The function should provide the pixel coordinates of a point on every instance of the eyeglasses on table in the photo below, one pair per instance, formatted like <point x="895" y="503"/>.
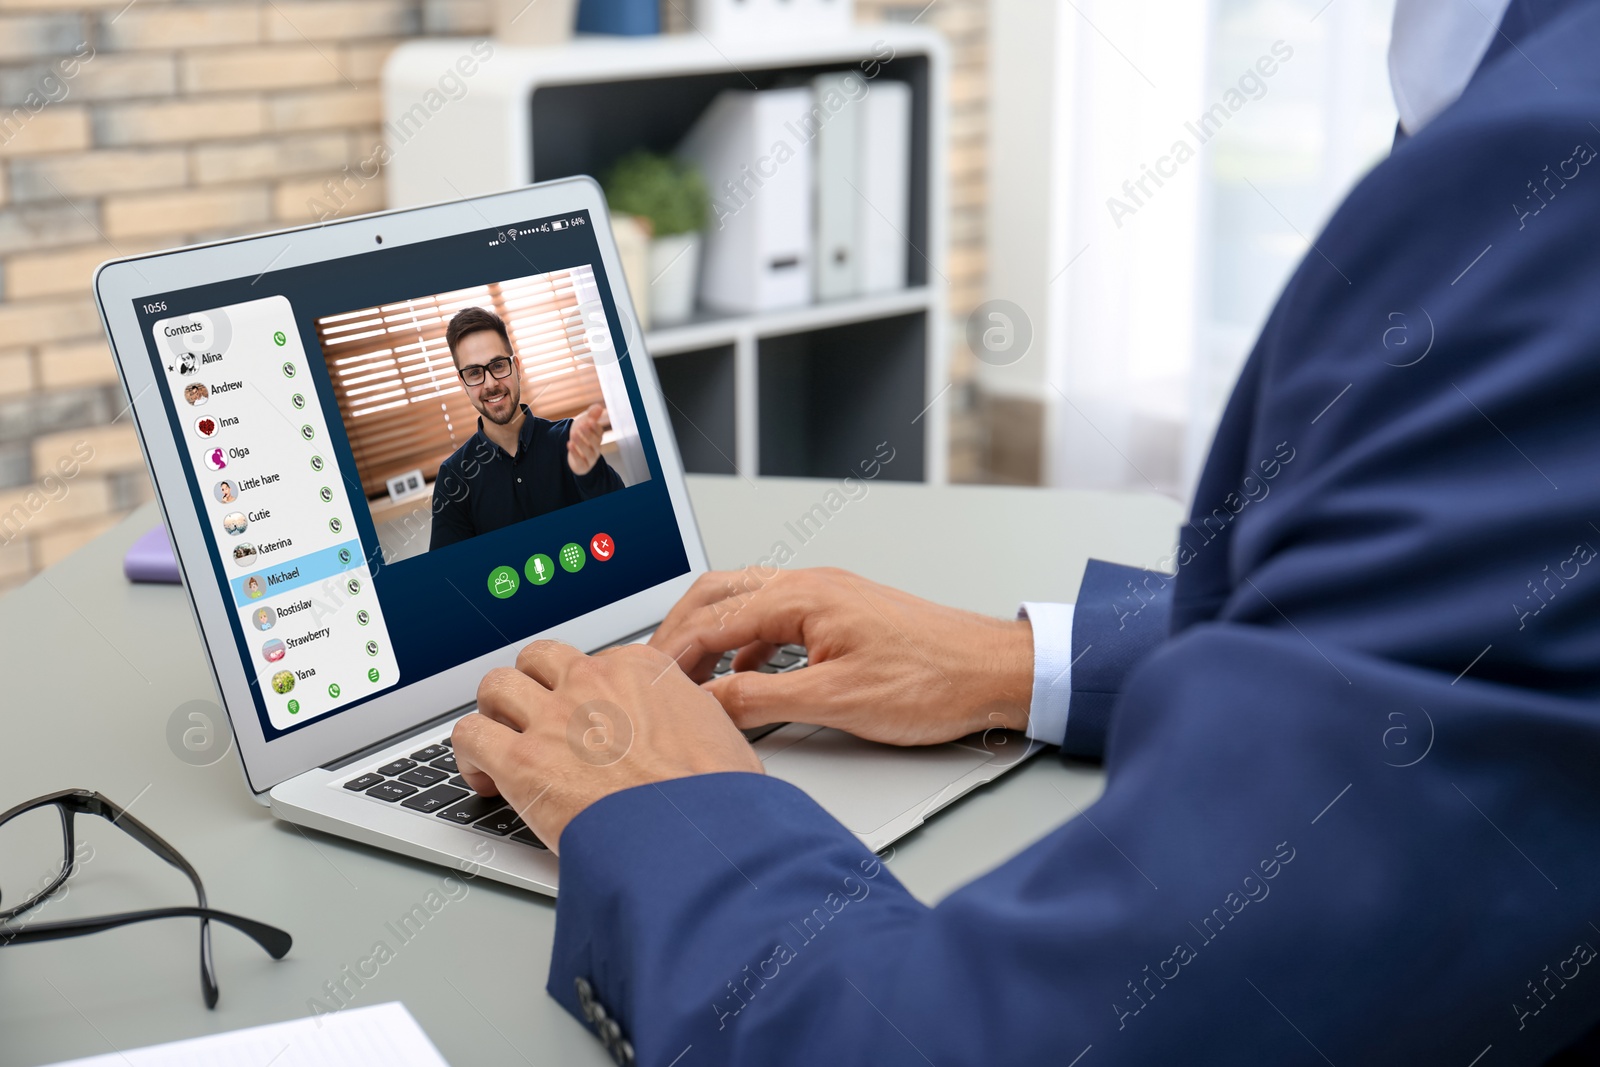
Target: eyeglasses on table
<point x="38" y="853"/>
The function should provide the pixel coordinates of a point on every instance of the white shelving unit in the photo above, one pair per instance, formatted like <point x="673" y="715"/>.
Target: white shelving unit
<point x="806" y="391"/>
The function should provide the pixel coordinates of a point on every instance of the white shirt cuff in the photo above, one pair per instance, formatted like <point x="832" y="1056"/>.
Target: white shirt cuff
<point x="1052" y="670"/>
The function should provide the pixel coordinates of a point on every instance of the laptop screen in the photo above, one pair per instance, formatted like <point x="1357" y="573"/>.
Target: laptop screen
<point x="408" y="458"/>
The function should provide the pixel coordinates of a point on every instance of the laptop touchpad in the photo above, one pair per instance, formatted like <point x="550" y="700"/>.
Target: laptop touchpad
<point x="861" y="783"/>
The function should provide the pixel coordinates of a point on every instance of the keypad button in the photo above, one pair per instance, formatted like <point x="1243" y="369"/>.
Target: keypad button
<point x="391" y="791"/>
<point x="501" y="822"/>
<point x="472" y="809"/>
<point x="528" y="837"/>
<point x="434" y="799"/>
<point x="423" y="776"/>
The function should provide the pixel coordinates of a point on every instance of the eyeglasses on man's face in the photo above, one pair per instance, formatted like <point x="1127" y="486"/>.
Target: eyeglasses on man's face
<point x="499" y="367"/>
<point x="39" y="852"/>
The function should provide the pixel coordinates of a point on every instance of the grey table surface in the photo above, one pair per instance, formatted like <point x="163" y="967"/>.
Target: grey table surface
<point x="95" y="668"/>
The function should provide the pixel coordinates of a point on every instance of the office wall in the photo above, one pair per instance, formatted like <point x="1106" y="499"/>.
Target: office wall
<point x="974" y="430"/>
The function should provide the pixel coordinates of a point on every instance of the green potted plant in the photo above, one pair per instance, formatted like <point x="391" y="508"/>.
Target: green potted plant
<point x="669" y="196"/>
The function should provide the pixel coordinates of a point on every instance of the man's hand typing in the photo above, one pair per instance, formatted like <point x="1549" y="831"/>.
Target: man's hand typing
<point x="885" y="665"/>
<point x="562" y="730"/>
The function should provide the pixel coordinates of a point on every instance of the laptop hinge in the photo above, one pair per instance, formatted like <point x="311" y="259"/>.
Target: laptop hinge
<point x="363" y="753"/>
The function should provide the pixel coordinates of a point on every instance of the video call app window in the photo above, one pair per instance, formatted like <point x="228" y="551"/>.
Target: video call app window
<point x="557" y="425"/>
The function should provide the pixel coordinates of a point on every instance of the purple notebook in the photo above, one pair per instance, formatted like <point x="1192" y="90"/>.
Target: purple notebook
<point x="150" y="559"/>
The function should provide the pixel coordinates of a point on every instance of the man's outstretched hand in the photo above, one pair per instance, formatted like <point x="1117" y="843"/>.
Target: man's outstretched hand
<point x="885" y="665"/>
<point x="563" y="730"/>
<point x="583" y="438"/>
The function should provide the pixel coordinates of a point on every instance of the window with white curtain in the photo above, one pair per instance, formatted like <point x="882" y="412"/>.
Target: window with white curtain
<point x="1280" y="172"/>
<point x="1159" y="170"/>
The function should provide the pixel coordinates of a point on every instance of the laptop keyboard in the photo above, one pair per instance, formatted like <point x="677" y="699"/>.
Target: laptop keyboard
<point x="428" y="782"/>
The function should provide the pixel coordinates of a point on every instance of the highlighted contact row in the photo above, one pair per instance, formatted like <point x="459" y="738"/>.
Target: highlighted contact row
<point x="311" y="567"/>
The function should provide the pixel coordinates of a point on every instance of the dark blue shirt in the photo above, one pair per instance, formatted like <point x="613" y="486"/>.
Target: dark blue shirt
<point x="481" y="488"/>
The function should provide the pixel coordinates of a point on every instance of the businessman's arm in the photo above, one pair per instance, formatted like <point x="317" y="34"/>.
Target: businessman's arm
<point x="1270" y="862"/>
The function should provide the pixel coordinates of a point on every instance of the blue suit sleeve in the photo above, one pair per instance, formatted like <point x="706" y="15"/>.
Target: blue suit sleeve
<point x="1120" y="617"/>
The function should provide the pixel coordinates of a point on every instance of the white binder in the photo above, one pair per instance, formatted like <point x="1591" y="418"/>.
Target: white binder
<point x="884" y="178"/>
<point x="839" y="96"/>
<point x="754" y="150"/>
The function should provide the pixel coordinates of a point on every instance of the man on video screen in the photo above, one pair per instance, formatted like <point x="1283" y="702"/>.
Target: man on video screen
<point x="517" y="465"/>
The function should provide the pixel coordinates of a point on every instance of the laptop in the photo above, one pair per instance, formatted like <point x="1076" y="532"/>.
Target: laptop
<point x="296" y="399"/>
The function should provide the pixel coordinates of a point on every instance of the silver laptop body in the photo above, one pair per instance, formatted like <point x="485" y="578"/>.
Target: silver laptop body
<point x="280" y="383"/>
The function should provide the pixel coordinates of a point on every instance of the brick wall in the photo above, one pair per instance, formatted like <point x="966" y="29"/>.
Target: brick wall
<point x="126" y="127"/>
<point x="130" y="127"/>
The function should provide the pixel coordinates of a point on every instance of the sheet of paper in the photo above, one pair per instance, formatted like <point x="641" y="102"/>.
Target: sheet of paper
<point x="384" y="1035"/>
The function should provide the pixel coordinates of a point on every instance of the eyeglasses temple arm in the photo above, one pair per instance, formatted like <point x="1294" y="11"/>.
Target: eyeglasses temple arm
<point x="276" y="942"/>
<point x="120" y="818"/>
